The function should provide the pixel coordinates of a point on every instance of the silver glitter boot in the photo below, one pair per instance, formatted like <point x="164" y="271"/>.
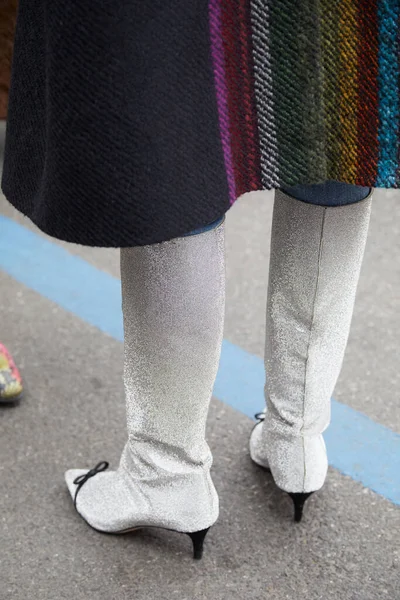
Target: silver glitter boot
<point x="316" y="256"/>
<point x="173" y="305"/>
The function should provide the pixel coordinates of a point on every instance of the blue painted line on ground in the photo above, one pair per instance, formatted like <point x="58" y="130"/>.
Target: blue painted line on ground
<point x="357" y="446"/>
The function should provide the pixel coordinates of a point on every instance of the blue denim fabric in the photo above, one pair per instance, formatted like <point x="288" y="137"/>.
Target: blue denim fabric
<point x="206" y="228"/>
<point x="330" y="193"/>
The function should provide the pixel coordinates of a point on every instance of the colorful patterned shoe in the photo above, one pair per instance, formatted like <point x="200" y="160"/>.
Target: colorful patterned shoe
<point x="10" y="379"/>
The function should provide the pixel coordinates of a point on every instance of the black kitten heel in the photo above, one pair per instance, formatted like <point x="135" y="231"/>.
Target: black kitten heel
<point x="299" y="501"/>
<point x="198" y="538"/>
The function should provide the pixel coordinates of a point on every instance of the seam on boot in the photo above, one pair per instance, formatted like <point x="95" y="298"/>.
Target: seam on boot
<point x="309" y="341"/>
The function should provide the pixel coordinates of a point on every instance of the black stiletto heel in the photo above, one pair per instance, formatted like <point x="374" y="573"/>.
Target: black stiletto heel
<point x="198" y="538"/>
<point x="299" y="501"/>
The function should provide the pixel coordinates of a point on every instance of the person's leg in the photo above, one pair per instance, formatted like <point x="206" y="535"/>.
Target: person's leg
<point x="173" y="306"/>
<point x="316" y="256"/>
<point x="330" y="193"/>
<point x="206" y="228"/>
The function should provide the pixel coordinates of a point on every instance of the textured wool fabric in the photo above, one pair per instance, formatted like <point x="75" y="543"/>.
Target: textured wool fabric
<point x="307" y="91"/>
<point x="134" y="122"/>
<point x="113" y="135"/>
<point x="316" y="257"/>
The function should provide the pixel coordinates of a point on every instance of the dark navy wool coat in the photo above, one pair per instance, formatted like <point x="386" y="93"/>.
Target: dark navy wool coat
<point x="113" y="135"/>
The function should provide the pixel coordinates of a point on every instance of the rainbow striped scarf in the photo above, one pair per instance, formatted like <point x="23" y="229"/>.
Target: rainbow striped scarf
<point x="307" y="91"/>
